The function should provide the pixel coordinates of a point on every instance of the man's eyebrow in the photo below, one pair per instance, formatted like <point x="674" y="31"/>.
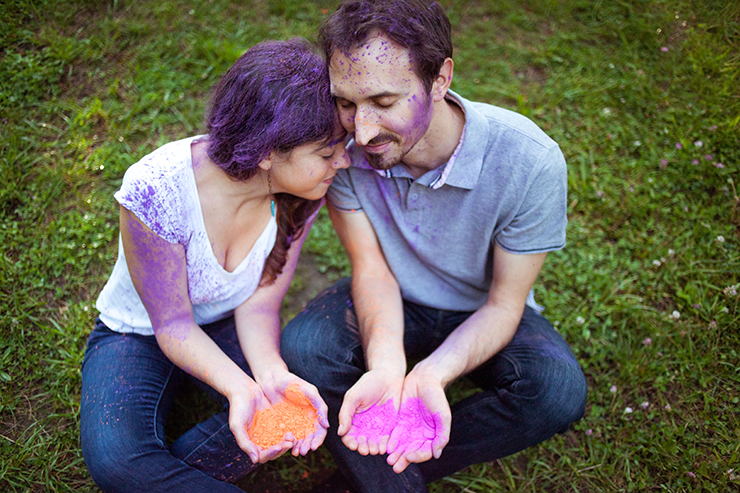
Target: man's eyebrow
<point x="379" y="95"/>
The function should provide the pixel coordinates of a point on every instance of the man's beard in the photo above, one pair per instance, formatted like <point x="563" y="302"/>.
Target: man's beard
<point x="390" y="157"/>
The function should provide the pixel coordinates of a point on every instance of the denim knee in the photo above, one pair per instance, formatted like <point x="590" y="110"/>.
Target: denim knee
<point x="112" y="465"/>
<point x="317" y="337"/>
<point x="560" y="397"/>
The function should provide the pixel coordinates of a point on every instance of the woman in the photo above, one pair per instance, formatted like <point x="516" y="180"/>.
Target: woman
<point x="211" y="228"/>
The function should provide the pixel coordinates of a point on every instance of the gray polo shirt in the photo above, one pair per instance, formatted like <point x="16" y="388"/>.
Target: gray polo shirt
<point x="505" y="183"/>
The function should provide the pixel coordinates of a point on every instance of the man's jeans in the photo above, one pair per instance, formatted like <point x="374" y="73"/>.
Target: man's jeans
<point x="531" y="390"/>
<point x="128" y="386"/>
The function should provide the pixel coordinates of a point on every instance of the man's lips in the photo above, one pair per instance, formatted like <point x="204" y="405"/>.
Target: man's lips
<point x="376" y="148"/>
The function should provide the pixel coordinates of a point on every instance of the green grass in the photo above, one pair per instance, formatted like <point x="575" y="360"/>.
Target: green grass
<point x="645" y="292"/>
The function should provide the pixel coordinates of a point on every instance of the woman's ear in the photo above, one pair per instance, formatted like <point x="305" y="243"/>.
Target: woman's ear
<point x="266" y="164"/>
<point x="443" y="80"/>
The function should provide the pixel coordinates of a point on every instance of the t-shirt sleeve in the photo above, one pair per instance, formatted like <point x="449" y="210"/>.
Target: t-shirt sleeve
<point x="341" y="193"/>
<point x="539" y="225"/>
<point x="149" y="198"/>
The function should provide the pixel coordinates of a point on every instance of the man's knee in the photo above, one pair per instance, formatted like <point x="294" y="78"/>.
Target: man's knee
<point x="318" y="336"/>
<point x="563" y="397"/>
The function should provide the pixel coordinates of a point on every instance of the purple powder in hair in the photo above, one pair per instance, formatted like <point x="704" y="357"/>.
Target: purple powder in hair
<point x="376" y="422"/>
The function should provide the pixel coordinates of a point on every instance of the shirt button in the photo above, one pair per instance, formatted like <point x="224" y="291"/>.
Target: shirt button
<point x="415" y="196"/>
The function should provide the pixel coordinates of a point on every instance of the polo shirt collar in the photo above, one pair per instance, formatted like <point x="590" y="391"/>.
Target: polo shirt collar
<point x="467" y="163"/>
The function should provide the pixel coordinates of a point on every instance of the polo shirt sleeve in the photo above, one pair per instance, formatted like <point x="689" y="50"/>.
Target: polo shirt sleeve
<point x="342" y="194"/>
<point x="540" y="222"/>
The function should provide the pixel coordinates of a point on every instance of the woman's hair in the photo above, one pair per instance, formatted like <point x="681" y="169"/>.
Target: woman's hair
<point x="273" y="99"/>
<point x="417" y="25"/>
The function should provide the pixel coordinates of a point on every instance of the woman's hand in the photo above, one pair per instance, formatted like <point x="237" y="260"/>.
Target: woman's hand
<point x="243" y="405"/>
<point x="279" y="385"/>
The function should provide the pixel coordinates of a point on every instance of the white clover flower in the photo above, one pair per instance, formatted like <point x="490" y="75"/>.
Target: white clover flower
<point x="675" y="315"/>
<point x="627" y="410"/>
<point x="580" y="320"/>
<point x="645" y="405"/>
<point x="638" y="143"/>
<point x="656" y="263"/>
<point x="720" y="239"/>
<point x="613" y="389"/>
<point x="698" y="143"/>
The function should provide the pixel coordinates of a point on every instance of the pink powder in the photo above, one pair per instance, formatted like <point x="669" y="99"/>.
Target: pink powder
<point x="376" y="422"/>
<point x="416" y="425"/>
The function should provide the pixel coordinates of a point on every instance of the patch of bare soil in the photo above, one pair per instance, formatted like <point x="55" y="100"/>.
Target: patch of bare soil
<point x="308" y="282"/>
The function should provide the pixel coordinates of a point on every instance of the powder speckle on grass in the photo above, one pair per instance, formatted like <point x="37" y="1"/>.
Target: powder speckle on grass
<point x="295" y="415"/>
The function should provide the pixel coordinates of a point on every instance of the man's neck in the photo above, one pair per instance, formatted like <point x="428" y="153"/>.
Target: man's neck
<point x="439" y="142"/>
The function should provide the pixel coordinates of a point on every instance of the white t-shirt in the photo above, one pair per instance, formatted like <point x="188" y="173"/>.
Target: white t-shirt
<point x="161" y="191"/>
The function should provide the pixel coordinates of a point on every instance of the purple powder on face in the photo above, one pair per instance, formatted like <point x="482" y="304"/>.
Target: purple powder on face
<point x="416" y="427"/>
<point x="375" y="423"/>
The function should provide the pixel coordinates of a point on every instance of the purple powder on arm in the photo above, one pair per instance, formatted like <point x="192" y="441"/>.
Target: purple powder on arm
<point x="374" y="423"/>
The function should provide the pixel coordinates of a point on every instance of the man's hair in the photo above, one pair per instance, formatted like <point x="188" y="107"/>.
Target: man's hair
<point x="274" y="98"/>
<point x="417" y="25"/>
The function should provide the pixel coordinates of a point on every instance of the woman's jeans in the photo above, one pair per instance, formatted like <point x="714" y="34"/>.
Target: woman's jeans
<point x="128" y="386"/>
<point x="531" y="390"/>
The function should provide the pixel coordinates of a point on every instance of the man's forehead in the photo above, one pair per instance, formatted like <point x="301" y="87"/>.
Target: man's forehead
<point x="379" y="65"/>
<point x="378" y="50"/>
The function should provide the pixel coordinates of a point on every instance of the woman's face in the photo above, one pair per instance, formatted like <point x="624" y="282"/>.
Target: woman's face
<point x="308" y="170"/>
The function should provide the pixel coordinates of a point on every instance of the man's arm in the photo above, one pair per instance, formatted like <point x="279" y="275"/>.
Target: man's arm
<point x="379" y="308"/>
<point x="474" y="342"/>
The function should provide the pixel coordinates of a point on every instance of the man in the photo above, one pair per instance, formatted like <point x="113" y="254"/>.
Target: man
<point x="447" y="214"/>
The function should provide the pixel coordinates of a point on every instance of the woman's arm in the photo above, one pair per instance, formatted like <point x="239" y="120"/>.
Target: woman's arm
<point x="158" y="271"/>
<point x="259" y="329"/>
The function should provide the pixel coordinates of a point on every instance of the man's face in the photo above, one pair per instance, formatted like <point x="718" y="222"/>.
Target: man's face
<point x="382" y="102"/>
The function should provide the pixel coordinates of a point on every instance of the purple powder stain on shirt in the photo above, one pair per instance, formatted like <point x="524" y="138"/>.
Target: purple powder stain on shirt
<point x="376" y="422"/>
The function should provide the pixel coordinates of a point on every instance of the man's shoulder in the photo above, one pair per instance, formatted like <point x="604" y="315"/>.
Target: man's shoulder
<point x="502" y="122"/>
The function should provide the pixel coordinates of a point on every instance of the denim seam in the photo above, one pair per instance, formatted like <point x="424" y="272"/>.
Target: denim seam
<point x="156" y="406"/>
<point x="184" y="459"/>
<point x="517" y="369"/>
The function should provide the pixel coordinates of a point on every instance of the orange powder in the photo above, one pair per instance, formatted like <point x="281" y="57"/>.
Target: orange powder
<point x="295" y="415"/>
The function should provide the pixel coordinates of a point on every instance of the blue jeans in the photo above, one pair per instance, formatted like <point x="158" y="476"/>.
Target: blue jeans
<point x="530" y="390"/>
<point x="128" y="387"/>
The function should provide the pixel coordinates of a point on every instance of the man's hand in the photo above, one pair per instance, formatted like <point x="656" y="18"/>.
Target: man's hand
<point x="376" y="394"/>
<point x="424" y="420"/>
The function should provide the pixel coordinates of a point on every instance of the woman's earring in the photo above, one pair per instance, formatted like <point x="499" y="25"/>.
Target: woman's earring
<point x="269" y="190"/>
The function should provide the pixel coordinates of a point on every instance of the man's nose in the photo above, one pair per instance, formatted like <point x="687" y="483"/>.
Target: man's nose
<point x="366" y="126"/>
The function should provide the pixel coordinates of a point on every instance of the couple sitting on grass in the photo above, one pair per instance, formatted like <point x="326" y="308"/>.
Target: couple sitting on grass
<point x="447" y="209"/>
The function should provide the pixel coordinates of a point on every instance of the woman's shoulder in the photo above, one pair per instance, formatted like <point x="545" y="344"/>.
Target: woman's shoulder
<point x="171" y="158"/>
<point x="158" y="188"/>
